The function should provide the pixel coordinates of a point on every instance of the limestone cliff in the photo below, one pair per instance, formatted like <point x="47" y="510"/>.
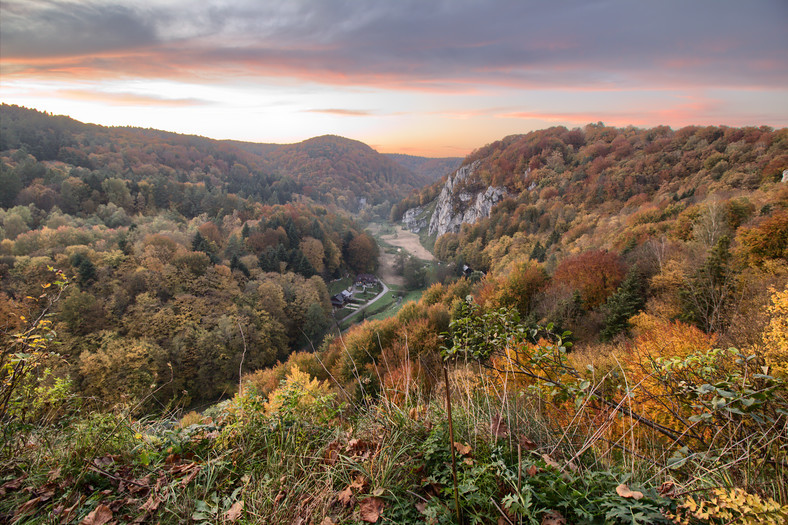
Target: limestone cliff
<point x="414" y="219"/>
<point x="455" y="207"/>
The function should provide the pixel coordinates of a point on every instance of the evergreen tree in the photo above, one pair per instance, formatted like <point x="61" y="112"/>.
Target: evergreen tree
<point x="236" y="264"/>
<point x="86" y="271"/>
<point x="629" y="299"/>
<point x="707" y="295"/>
<point x="300" y="264"/>
<point x="201" y="244"/>
<point x="268" y="261"/>
<point x="539" y="252"/>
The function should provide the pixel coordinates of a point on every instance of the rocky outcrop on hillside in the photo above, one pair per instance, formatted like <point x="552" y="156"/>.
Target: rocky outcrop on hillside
<point x="456" y="207"/>
<point x="414" y="219"/>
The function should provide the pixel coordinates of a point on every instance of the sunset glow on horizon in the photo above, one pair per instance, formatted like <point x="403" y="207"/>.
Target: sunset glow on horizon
<point x="437" y="78"/>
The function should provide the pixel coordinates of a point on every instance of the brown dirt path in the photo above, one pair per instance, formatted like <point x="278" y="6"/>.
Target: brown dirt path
<point x="408" y="241"/>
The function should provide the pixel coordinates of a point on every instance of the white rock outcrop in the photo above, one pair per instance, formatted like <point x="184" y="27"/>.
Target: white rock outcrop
<point x="471" y="207"/>
<point x="413" y="220"/>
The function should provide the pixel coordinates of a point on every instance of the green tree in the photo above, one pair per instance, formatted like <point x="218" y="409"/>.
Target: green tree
<point x="708" y="293"/>
<point x="629" y="299"/>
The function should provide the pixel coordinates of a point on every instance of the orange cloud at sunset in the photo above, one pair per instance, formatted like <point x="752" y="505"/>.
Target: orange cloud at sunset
<point x="445" y="73"/>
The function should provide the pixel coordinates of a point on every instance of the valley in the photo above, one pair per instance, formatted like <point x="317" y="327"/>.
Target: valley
<point x="594" y="307"/>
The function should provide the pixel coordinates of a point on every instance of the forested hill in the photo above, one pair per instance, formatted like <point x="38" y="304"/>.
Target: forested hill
<point x="606" y="187"/>
<point x="585" y="206"/>
<point x="182" y="252"/>
<point x="329" y="170"/>
<point x="431" y="169"/>
<point x="337" y="170"/>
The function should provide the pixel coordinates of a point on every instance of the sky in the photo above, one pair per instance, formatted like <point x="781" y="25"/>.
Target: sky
<point x="422" y="77"/>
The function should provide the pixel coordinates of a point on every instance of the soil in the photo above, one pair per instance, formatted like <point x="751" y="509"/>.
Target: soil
<point x="386" y="270"/>
<point x="408" y="241"/>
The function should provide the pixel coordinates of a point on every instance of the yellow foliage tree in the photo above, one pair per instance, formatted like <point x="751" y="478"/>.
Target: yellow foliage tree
<point x="300" y="396"/>
<point x="776" y="336"/>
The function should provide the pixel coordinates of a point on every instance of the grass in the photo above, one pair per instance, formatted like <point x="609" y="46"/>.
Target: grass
<point x="320" y="457"/>
<point x="395" y="305"/>
<point x="366" y="312"/>
<point x="334" y="287"/>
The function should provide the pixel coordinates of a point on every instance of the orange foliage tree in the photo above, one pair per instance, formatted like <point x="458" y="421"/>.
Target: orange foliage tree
<point x="595" y="274"/>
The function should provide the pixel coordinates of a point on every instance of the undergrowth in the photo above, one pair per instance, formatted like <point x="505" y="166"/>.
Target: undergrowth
<point x="535" y="441"/>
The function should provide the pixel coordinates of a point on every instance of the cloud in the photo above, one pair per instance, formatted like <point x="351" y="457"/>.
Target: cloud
<point x="693" y="111"/>
<point x="342" y="112"/>
<point x="129" y="99"/>
<point x="409" y="44"/>
<point x="51" y="28"/>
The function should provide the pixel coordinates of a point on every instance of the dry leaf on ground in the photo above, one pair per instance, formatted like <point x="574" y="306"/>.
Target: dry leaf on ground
<point x="14" y="484"/>
<point x="234" y="513"/>
<point x="463" y="450"/>
<point x="550" y="461"/>
<point x="526" y="443"/>
<point x="625" y="492"/>
<point x="553" y="517"/>
<point x="498" y="427"/>
<point x="371" y="509"/>
<point x="100" y="515"/>
<point x="346" y="497"/>
<point x="152" y="504"/>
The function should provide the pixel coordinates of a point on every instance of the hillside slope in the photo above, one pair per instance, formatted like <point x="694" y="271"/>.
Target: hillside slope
<point x="429" y="169"/>
<point x="329" y="170"/>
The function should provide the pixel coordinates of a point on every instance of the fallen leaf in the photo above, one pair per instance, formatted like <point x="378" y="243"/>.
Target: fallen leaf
<point x="54" y="474"/>
<point x="371" y="509"/>
<point x="346" y="497"/>
<point x="464" y="450"/>
<point x="668" y="489"/>
<point x="235" y="511"/>
<point x="468" y="461"/>
<point x="553" y="517"/>
<point x="152" y="504"/>
<point x="359" y="482"/>
<point x="327" y="521"/>
<point x="550" y="461"/>
<point x="8" y="486"/>
<point x="106" y="461"/>
<point x="526" y="443"/>
<point x="27" y="506"/>
<point x="498" y="427"/>
<point x="421" y="507"/>
<point x="188" y="479"/>
<point x="331" y="455"/>
<point x="100" y="515"/>
<point x="624" y="491"/>
<point x="532" y="470"/>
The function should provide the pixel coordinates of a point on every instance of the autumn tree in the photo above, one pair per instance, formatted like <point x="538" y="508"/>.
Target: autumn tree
<point x="595" y="274"/>
<point x="362" y="253"/>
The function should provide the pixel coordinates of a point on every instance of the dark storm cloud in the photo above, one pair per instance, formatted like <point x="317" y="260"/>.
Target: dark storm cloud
<point x="438" y="44"/>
